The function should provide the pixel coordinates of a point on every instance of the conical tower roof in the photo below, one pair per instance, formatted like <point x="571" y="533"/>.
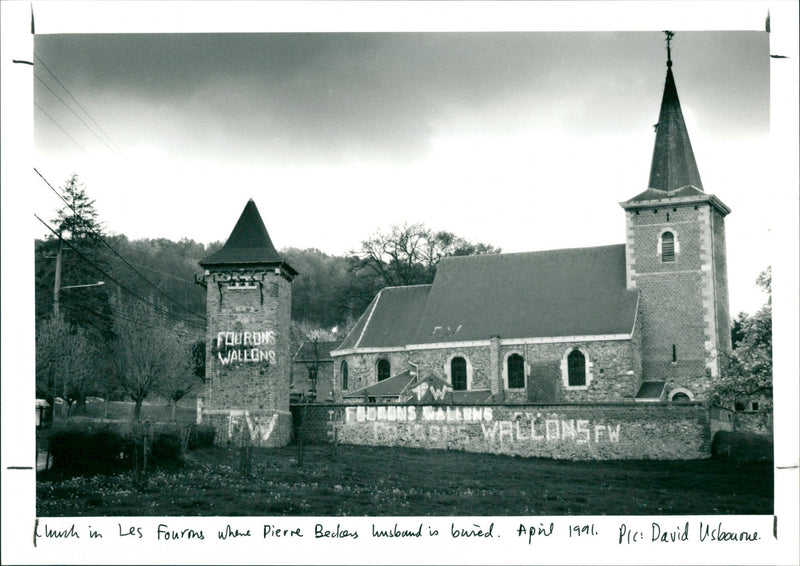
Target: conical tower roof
<point x="673" y="163"/>
<point x="249" y="243"/>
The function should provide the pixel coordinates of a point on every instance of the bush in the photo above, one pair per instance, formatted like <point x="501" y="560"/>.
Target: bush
<point x="84" y="450"/>
<point x="742" y="447"/>
<point x="201" y="436"/>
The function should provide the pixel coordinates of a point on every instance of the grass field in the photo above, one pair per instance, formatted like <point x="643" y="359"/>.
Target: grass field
<point x="376" y="481"/>
<point x="157" y="411"/>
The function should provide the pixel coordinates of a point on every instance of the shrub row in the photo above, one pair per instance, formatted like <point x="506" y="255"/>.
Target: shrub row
<point x="111" y="447"/>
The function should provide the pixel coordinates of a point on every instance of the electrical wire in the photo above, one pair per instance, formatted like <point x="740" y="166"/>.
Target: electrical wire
<point x="78" y="103"/>
<point x="62" y="129"/>
<point x="121" y="285"/>
<point x="88" y="127"/>
<point x="104" y="242"/>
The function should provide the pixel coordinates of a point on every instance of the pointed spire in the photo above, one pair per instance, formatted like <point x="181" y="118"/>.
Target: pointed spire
<point x="248" y="243"/>
<point x="673" y="163"/>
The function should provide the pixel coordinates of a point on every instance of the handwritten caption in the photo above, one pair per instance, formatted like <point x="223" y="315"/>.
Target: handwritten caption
<point x="625" y="534"/>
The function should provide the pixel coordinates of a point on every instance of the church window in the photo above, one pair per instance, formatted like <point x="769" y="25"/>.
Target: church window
<point x="384" y="369"/>
<point x="344" y="376"/>
<point x="667" y="247"/>
<point x="458" y="373"/>
<point x="680" y="398"/>
<point x="576" y="368"/>
<point x="516" y="371"/>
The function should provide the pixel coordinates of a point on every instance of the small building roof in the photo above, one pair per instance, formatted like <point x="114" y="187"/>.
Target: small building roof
<point x="554" y="293"/>
<point x="394" y="386"/>
<point x="249" y="243"/>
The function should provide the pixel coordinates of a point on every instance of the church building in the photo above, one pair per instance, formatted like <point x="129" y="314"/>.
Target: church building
<point x="645" y="320"/>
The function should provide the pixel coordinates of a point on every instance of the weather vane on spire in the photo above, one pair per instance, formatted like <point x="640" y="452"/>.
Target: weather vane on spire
<point x="669" y="35"/>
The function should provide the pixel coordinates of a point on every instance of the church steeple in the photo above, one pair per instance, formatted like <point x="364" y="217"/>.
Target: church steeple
<point x="673" y="164"/>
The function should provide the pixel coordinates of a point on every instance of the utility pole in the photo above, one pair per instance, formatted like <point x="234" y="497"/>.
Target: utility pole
<point x="57" y="286"/>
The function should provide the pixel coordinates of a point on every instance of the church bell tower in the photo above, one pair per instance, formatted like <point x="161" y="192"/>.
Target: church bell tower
<point x="676" y="259"/>
<point x="248" y="308"/>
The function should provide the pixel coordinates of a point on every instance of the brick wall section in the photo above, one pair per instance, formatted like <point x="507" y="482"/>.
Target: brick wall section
<point x="260" y="389"/>
<point x="574" y="432"/>
<point x="615" y="368"/>
<point x="679" y="300"/>
<point x="721" y="284"/>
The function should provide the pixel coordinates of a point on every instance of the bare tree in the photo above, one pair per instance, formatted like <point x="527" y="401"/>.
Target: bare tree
<point x="149" y="353"/>
<point x="64" y="362"/>
<point x="409" y="254"/>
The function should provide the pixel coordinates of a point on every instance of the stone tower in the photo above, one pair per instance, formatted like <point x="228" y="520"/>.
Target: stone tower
<point x="248" y="307"/>
<point x="675" y="257"/>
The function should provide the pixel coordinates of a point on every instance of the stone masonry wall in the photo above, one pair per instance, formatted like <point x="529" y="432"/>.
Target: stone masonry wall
<point x="248" y="359"/>
<point x="613" y="367"/>
<point x="574" y="432"/>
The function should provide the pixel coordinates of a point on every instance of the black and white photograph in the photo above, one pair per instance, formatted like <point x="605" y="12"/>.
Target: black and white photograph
<point x="393" y="282"/>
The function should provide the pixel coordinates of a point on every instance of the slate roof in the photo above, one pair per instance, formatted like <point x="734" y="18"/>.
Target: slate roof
<point x="391" y="387"/>
<point x="569" y="292"/>
<point x="249" y="243"/>
<point x="657" y="194"/>
<point x="390" y="320"/>
<point x="673" y="164"/>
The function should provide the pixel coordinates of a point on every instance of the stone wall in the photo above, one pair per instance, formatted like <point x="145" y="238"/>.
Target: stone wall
<point x="613" y="369"/>
<point x="574" y="432"/>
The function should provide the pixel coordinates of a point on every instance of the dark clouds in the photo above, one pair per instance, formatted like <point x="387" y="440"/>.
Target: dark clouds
<point x="332" y="96"/>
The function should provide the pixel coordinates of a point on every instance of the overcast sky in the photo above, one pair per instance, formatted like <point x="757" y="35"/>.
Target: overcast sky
<point x="525" y="141"/>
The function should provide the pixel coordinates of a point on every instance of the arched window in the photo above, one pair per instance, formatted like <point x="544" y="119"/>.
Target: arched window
<point x="344" y="376"/>
<point x="384" y="370"/>
<point x="458" y="373"/>
<point x="680" y="398"/>
<point x="516" y="372"/>
<point x="576" y="368"/>
<point x="667" y="247"/>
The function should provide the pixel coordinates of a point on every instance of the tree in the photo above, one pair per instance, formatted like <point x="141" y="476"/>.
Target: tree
<point x="151" y="355"/>
<point x="67" y="264"/>
<point x="409" y="254"/>
<point x="748" y="368"/>
<point x="177" y="384"/>
<point x="64" y="362"/>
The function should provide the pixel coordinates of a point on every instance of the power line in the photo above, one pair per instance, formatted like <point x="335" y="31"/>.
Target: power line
<point x="83" y="307"/>
<point x="60" y="128"/>
<point x="88" y="127"/>
<point x="76" y="102"/>
<point x="104" y="242"/>
<point x="113" y="279"/>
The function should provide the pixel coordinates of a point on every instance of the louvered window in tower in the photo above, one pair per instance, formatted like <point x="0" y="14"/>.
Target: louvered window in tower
<point x="344" y="376"/>
<point x="667" y="247"/>
<point x="458" y="374"/>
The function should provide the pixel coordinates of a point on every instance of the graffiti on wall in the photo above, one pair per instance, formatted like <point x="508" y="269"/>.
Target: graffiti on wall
<point x="247" y="346"/>
<point x="463" y="425"/>
<point x="259" y="427"/>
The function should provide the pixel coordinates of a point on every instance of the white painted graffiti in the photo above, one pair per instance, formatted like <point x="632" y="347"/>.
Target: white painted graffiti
<point x="436" y="423"/>
<point x="259" y="427"/>
<point x="399" y="413"/>
<point x="437" y="392"/>
<point x="232" y="346"/>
